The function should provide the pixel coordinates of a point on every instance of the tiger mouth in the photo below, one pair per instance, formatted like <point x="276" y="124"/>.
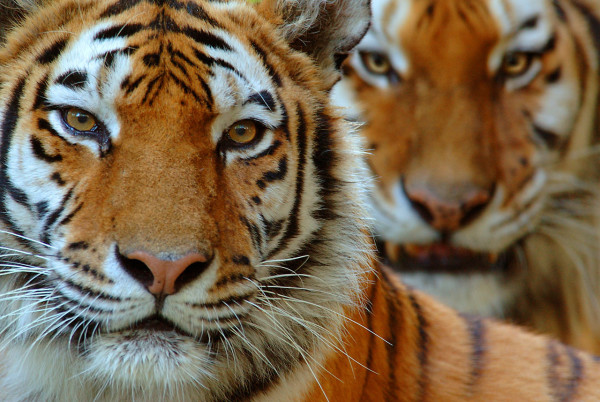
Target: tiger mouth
<point x="157" y="325"/>
<point x="441" y="258"/>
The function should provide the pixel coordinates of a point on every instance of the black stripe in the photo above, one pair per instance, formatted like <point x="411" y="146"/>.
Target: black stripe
<point x="45" y="125"/>
<point x="551" y="139"/>
<point x="285" y="121"/>
<point x="554" y="75"/>
<point x="422" y="349"/>
<point x="210" y="62"/>
<point x="150" y="86"/>
<point x="119" y="7"/>
<point x="392" y="310"/>
<point x="560" y="12"/>
<point x="476" y="327"/>
<point x="56" y="177"/>
<point x="273" y="228"/>
<point x="40" y="152"/>
<point x="108" y="58"/>
<point x="278" y="174"/>
<point x="241" y="260"/>
<point x="196" y="11"/>
<point x="262" y="98"/>
<point x="70" y="216"/>
<point x="42" y="208"/>
<point x="50" y="54"/>
<point x="593" y="24"/>
<point x="550" y="44"/>
<point x="119" y="31"/>
<point x="530" y="23"/>
<point x="207" y="91"/>
<point x="54" y="216"/>
<point x="206" y="38"/>
<point x="187" y="90"/>
<point x="551" y="375"/>
<point x="263" y="56"/>
<point x="269" y="151"/>
<point x="131" y="86"/>
<point x="255" y="234"/>
<point x="80" y="245"/>
<point x="180" y="67"/>
<point x="151" y="59"/>
<point x="325" y="160"/>
<point x="576" y="374"/>
<point x="40" y="93"/>
<point x="72" y="79"/>
<point x="9" y="124"/>
<point x="292" y="228"/>
<point x="180" y="55"/>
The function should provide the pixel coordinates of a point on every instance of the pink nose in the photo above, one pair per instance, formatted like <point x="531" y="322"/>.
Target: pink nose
<point x="166" y="273"/>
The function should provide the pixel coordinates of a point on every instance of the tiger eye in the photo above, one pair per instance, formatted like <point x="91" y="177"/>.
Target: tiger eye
<point x="516" y="63"/>
<point x="376" y="63"/>
<point x="243" y="132"/>
<point x="80" y="120"/>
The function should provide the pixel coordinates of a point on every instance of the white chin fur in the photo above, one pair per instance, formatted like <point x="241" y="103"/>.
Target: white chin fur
<point x="473" y="293"/>
<point x="118" y="367"/>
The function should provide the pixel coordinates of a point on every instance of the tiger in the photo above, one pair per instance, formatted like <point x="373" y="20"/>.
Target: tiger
<point x="183" y="218"/>
<point x="481" y="119"/>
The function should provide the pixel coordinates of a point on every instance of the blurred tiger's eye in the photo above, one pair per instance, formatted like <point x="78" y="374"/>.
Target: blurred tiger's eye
<point x="516" y="63"/>
<point x="376" y="63"/>
<point x="243" y="132"/>
<point x="80" y="120"/>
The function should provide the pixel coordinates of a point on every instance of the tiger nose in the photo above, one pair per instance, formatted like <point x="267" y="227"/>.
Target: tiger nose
<point x="164" y="277"/>
<point x="448" y="213"/>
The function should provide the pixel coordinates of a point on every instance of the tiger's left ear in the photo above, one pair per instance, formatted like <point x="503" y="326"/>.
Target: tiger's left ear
<point x="327" y="30"/>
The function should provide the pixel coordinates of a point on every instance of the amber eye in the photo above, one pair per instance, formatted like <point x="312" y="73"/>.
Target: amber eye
<point x="80" y="120"/>
<point x="243" y="132"/>
<point x="376" y="63"/>
<point x="516" y="63"/>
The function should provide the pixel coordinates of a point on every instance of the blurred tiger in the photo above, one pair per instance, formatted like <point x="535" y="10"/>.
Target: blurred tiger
<point x="481" y="119"/>
<point x="182" y="218"/>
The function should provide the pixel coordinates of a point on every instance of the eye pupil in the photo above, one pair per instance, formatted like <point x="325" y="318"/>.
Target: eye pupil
<point x="82" y="118"/>
<point x="240" y="130"/>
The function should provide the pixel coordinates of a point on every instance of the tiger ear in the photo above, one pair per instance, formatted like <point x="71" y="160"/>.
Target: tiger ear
<point x="327" y="30"/>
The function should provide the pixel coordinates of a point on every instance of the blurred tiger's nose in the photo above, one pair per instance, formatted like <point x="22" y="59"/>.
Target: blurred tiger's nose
<point x="163" y="277"/>
<point x="446" y="214"/>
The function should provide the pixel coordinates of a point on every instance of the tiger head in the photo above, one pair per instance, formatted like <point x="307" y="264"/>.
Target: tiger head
<point x="181" y="210"/>
<point x="479" y="115"/>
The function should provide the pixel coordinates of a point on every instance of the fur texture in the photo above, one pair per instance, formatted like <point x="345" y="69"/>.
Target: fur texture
<point x="183" y="219"/>
<point x="481" y="117"/>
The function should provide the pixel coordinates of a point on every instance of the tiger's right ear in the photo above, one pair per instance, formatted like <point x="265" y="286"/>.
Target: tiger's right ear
<point x="327" y="30"/>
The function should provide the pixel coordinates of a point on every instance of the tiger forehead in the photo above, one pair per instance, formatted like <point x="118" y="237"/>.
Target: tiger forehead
<point x="461" y="32"/>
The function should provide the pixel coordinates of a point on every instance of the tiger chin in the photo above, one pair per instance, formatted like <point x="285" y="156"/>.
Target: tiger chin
<point x="182" y="218"/>
<point x="482" y="122"/>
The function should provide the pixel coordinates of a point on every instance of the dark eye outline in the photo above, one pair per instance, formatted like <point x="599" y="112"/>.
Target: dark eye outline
<point x="98" y="133"/>
<point x="227" y="143"/>
<point x="530" y="56"/>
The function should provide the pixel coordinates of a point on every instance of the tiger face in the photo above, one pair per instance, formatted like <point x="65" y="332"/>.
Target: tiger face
<point x="174" y="195"/>
<point x="478" y="115"/>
